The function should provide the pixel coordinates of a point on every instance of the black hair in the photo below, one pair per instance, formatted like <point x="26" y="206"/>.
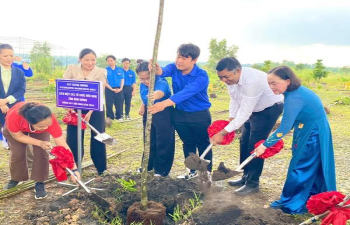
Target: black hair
<point x="34" y="112"/>
<point x="86" y="51"/>
<point x="142" y="66"/>
<point x="285" y="73"/>
<point x="111" y="56"/>
<point x="125" y="59"/>
<point x="189" y="50"/>
<point x="139" y="61"/>
<point x="229" y="63"/>
<point x="5" y="46"/>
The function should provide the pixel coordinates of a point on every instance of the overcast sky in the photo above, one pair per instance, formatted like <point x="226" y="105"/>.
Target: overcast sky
<point x="298" y="30"/>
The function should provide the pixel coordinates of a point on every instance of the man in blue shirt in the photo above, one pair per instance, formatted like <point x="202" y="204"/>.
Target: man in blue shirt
<point x="114" y="89"/>
<point x="129" y="86"/>
<point x="191" y="116"/>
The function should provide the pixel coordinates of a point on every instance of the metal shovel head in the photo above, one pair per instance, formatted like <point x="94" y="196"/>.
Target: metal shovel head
<point x="105" y="138"/>
<point x="99" y="200"/>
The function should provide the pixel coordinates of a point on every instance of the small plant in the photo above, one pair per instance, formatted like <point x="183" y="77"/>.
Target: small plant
<point x="127" y="185"/>
<point x="100" y="215"/>
<point x="116" y="221"/>
<point x="179" y="214"/>
<point x="51" y="88"/>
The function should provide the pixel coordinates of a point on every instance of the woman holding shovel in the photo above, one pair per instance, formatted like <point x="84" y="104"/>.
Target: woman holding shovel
<point x="162" y="132"/>
<point x="311" y="169"/>
<point x="87" y="70"/>
<point x="32" y="123"/>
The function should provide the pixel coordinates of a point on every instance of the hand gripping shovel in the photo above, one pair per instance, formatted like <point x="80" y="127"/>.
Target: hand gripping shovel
<point x="101" y="137"/>
<point x="199" y="163"/>
<point x="92" y="196"/>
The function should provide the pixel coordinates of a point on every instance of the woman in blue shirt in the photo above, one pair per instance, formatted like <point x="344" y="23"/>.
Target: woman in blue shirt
<point x="162" y="131"/>
<point x="311" y="170"/>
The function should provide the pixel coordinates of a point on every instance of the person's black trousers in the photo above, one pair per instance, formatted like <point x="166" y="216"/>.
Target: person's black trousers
<point x="115" y="99"/>
<point x="162" y="149"/>
<point x="257" y="128"/>
<point x="97" y="149"/>
<point x="127" y="94"/>
<point x="192" y="129"/>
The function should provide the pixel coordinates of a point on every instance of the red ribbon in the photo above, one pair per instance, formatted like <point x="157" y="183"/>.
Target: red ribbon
<point x="270" y="151"/>
<point x="72" y="119"/>
<point x="64" y="159"/>
<point x="325" y="201"/>
<point x="216" y="127"/>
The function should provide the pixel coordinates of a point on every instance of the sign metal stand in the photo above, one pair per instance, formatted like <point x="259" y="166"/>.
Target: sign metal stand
<point x="80" y="95"/>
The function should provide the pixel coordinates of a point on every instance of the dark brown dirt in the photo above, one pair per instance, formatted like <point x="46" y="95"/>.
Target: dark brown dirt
<point x="193" y="162"/>
<point x="154" y="214"/>
<point x="223" y="173"/>
<point x="220" y="206"/>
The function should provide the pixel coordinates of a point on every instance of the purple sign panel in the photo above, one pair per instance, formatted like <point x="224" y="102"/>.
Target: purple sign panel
<point x="86" y="95"/>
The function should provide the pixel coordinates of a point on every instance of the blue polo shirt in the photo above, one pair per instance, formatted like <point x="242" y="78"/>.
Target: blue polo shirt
<point x="190" y="90"/>
<point x="129" y="78"/>
<point x="160" y="85"/>
<point x="114" y="77"/>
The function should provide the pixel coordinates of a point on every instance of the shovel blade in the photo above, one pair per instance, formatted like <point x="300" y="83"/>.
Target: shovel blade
<point x="99" y="200"/>
<point x="105" y="138"/>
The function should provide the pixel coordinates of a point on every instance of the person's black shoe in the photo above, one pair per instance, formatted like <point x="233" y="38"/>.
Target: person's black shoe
<point x="246" y="190"/>
<point x="236" y="183"/>
<point x="11" y="184"/>
<point x="40" y="191"/>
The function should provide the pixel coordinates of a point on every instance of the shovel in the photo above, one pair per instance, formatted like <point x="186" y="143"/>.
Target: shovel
<point x="92" y="196"/>
<point x="101" y="137"/>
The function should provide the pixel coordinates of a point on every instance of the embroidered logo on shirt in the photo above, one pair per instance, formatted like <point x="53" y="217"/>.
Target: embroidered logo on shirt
<point x="279" y="134"/>
<point x="301" y="125"/>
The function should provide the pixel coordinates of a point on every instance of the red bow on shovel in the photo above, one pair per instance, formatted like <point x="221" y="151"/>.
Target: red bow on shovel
<point x="72" y="119"/>
<point x="269" y="152"/>
<point x="63" y="160"/>
<point x="332" y="207"/>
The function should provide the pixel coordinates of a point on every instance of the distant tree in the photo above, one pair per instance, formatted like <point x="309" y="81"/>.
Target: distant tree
<point x="319" y="71"/>
<point x="257" y="66"/>
<point x="300" y="66"/>
<point x="267" y="66"/>
<point x="40" y="58"/>
<point x="345" y="70"/>
<point x="101" y="61"/>
<point x="288" y="63"/>
<point x="219" y="50"/>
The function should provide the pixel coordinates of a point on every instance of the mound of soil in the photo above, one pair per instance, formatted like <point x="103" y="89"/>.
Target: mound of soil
<point x="220" y="205"/>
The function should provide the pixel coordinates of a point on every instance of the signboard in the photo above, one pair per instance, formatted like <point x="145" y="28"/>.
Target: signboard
<point x="79" y="94"/>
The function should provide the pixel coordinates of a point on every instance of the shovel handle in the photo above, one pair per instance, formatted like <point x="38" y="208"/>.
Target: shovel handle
<point x="206" y="151"/>
<point x="87" y="123"/>
<point x="79" y="181"/>
<point x="245" y="162"/>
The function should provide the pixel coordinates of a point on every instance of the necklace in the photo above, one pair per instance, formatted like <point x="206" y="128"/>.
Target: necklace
<point x="30" y="128"/>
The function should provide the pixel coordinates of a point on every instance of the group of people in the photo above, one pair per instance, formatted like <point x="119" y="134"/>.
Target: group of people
<point x="257" y="101"/>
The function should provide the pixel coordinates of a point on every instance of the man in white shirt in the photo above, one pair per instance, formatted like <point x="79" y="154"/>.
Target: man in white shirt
<point x="255" y="108"/>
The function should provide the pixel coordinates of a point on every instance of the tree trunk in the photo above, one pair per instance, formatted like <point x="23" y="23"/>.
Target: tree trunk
<point x="147" y="144"/>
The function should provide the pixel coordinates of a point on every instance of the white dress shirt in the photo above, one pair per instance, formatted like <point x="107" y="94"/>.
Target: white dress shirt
<point x="251" y="94"/>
